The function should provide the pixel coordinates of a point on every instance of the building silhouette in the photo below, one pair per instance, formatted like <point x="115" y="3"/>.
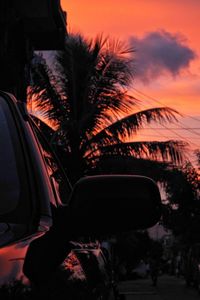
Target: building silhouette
<point x="26" y="26"/>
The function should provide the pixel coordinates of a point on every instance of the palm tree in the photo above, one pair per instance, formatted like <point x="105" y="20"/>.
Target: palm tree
<point x="86" y="93"/>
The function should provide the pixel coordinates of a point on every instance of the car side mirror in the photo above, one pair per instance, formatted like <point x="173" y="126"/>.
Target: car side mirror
<point x="114" y="203"/>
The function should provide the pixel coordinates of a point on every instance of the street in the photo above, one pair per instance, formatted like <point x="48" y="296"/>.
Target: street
<point x="168" y="288"/>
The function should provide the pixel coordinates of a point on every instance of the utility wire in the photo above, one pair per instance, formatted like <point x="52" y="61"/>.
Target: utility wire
<point x="159" y="102"/>
<point x="174" y="132"/>
<point x="190" y="129"/>
<point x="154" y="135"/>
<point x="174" y="128"/>
<point x="180" y="136"/>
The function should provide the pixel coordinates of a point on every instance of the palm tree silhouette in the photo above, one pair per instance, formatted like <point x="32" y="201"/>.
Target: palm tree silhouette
<point x="86" y="93"/>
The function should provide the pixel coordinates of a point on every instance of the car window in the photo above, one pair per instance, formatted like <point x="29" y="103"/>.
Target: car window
<point x="9" y="175"/>
<point x="15" y="196"/>
<point x="59" y="181"/>
<point x="16" y="200"/>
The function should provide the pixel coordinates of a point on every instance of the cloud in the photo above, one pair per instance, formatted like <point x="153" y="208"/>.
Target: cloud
<point x="158" y="53"/>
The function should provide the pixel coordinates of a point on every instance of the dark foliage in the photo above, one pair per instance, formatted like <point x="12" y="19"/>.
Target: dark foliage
<point x="85" y="93"/>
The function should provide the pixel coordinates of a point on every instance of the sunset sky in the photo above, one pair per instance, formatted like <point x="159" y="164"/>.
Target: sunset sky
<point x="166" y="39"/>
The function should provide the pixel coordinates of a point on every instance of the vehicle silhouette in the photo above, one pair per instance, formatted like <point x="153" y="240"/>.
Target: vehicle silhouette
<point x="49" y="229"/>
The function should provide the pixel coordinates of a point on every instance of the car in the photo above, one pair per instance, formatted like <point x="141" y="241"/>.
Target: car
<point x="49" y="229"/>
<point x="141" y="270"/>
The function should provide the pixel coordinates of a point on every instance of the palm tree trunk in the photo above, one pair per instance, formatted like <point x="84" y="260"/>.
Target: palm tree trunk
<point x="76" y="162"/>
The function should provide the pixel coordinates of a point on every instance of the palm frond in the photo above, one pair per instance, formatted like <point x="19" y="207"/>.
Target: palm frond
<point x="117" y="164"/>
<point x="129" y="125"/>
<point x="116" y="63"/>
<point x="169" y="151"/>
<point x="89" y="93"/>
<point x="106" y="110"/>
<point x="77" y="67"/>
<point x="43" y="90"/>
<point x="124" y="127"/>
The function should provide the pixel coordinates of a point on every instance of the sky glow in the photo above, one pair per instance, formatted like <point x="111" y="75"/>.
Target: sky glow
<point x="166" y="37"/>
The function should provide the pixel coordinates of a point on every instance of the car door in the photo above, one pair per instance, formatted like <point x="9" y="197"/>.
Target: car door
<point x="25" y="190"/>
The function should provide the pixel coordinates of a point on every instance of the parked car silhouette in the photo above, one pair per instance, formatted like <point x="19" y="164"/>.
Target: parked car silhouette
<point x="41" y="214"/>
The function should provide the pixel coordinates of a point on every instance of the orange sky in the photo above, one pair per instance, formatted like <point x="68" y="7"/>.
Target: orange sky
<point x="123" y="19"/>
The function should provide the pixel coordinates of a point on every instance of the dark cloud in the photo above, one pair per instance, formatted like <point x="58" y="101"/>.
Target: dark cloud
<point x="158" y="53"/>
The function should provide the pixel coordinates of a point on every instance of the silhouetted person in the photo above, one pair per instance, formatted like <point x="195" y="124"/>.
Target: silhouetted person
<point x="154" y="269"/>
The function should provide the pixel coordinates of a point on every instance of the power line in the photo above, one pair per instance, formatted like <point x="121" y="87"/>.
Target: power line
<point x="154" y="135"/>
<point x="159" y="102"/>
<point x="191" y="117"/>
<point x="163" y="127"/>
<point x="176" y="134"/>
<point x="190" y="129"/>
<point x="180" y="136"/>
<point x="173" y="128"/>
